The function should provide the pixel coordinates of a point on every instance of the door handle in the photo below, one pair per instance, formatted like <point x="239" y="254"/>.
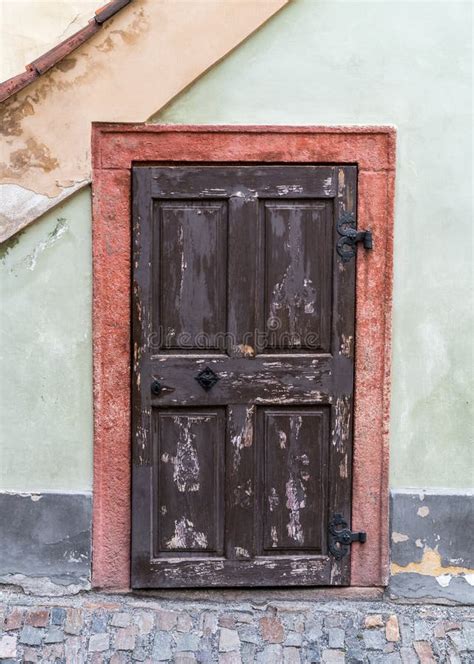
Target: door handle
<point x="156" y="387"/>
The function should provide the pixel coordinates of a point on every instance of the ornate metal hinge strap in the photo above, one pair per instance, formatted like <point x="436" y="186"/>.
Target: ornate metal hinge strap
<point x="350" y="236"/>
<point x="340" y="537"/>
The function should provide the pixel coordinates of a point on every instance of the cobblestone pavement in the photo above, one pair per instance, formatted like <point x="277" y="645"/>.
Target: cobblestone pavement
<point x="110" y="628"/>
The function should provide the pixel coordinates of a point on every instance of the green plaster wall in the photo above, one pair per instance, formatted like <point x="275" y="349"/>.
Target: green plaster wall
<point x="45" y="342"/>
<point x="407" y="64"/>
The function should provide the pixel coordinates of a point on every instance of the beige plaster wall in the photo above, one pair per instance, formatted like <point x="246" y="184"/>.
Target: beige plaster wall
<point x="142" y="58"/>
<point x="30" y="27"/>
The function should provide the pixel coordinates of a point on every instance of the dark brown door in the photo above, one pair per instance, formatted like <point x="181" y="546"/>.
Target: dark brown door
<point x="243" y="342"/>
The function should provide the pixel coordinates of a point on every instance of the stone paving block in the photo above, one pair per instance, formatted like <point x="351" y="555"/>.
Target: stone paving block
<point x="468" y="631"/>
<point x="118" y="658"/>
<point x="74" y="621"/>
<point x="99" y="622"/>
<point x="452" y="657"/>
<point x="336" y="637"/>
<point x="14" y="619"/>
<point x="312" y="655"/>
<point x="125" y="638"/>
<point x="37" y="617"/>
<point x="166" y="620"/>
<point x="333" y="621"/>
<point x="373" y="621"/>
<point x="54" y="635"/>
<point x="144" y="621"/>
<point x="291" y="655"/>
<point x="391" y="658"/>
<point x="243" y="617"/>
<point x="294" y="639"/>
<point x="425" y="652"/>
<point x="355" y="648"/>
<point x="374" y="640"/>
<point x="72" y="650"/>
<point x="248" y="651"/>
<point x="408" y="655"/>
<point x="31" y="636"/>
<point x="249" y="634"/>
<point x="314" y="629"/>
<point x="271" y="654"/>
<point x="333" y="657"/>
<point x="227" y="620"/>
<point x="31" y="655"/>
<point x="187" y="642"/>
<point x="204" y="655"/>
<point x="232" y="657"/>
<point x="139" y="654"/>
<point x="422" y="630"/>
<point x="8" y="647"/>
<point x="99" y="642"/>
<point x="208" y="623"/>
<point x="458" y="640"/>
<point x="53" y="652"/>
<point x="271" y="629"/>
<point x="121" y="619"/>
<point x="58" y="616"/>
<point x="228" y="640"/>
<point x="162" y="647"/>
<point x="184" y="622"/>
<point x="392" y="630"/>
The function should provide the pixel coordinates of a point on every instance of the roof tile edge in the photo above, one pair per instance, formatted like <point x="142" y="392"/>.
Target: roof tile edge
<point x="46" y="61"/>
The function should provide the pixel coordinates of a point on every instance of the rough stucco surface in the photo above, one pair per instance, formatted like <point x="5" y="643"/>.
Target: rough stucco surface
<point x="46" y="541"/>
<point x="432" y="545"/>
<point x="45" y="341"/>
<point x="140" y="59"/>
<point x="386" y="62"/>
<point x="286" y="75"/>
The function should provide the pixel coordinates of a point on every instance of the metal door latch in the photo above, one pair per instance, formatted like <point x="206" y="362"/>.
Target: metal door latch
<point x="340" y="537"/>
<point x="350" y="236"/>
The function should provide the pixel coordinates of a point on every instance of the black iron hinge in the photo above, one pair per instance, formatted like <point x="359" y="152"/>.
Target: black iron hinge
<point x="350" y="236"/>
<point x="340" y="537"/>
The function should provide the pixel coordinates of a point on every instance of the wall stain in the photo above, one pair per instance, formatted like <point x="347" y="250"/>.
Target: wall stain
<point x="53" y="236"/>
<point x="11" y="116"/>
<point x="8" y="245"/>
<point x="431" y="565"/>
<point x="34" y="155"/>
<point x="67" y="64"/>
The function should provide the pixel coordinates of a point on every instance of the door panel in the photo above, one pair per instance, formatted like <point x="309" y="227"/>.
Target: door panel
<point x="295" y="478"/>
<point x="298" y="275"/>
<point x="236" y="275"/>
<point x="190" y="274"/>
<point x="187" y="481"/>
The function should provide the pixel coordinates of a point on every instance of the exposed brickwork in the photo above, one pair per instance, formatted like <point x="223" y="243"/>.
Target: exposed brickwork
<point x="99" y="628"/>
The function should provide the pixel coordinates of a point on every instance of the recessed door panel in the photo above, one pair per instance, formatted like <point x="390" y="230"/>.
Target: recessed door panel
<point x="190" y="277"/>
<point x="188" y="481"/>
<point x="295" y="478"/>
<point x="298" y="275"/>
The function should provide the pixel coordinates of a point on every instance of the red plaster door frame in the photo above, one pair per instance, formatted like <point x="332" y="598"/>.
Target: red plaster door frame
<point x="115" y="147"/>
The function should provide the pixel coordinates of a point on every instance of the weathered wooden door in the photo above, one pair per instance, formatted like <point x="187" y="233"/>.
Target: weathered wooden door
<point x="243" y="347"/>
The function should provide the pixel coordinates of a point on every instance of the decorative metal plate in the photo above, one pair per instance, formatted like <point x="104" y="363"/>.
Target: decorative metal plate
<point x="207" y="378"/>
